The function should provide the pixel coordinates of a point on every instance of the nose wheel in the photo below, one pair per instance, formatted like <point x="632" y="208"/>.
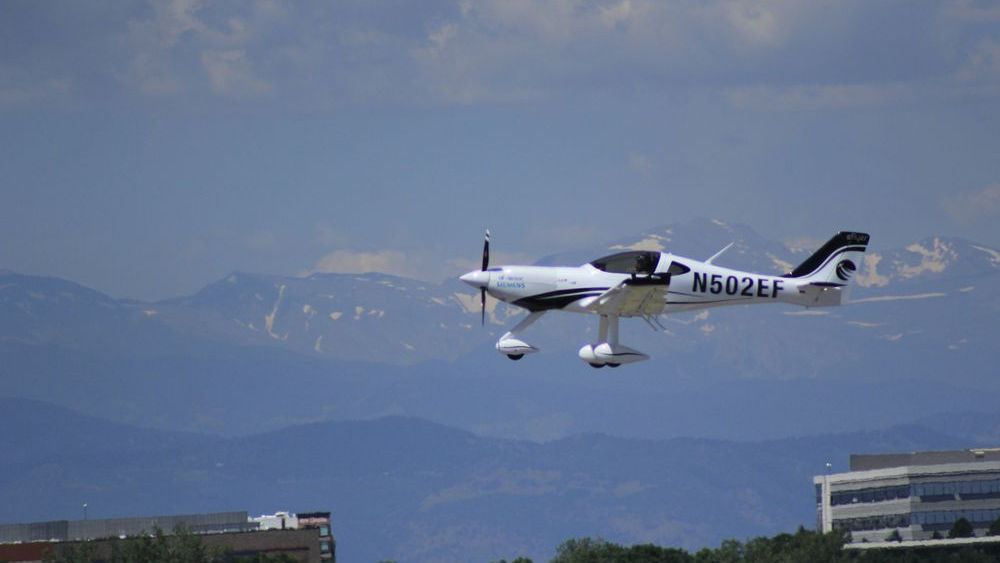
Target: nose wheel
<point x="511" y="345"/>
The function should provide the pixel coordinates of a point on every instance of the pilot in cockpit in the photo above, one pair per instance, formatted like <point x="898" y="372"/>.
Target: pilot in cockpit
<point x="643" y="264"/>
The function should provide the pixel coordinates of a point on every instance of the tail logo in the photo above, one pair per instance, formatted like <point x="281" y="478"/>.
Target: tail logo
<point x="845" y="268"/>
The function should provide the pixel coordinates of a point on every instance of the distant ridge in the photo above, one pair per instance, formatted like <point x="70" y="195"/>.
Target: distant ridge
<point x="289" y="350"/>
<point x="405" y="488"/>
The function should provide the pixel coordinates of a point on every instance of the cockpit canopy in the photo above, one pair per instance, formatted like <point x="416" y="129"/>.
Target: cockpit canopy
<point x="634" y="262"/>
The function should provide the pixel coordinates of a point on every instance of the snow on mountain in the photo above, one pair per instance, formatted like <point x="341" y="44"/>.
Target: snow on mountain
<point x="347" y="316"/>
<point x="294" y="349"/>
<point x="914" y="293"/>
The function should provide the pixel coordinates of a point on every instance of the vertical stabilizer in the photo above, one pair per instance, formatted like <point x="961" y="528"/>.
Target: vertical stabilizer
<point x="835" y="262"/>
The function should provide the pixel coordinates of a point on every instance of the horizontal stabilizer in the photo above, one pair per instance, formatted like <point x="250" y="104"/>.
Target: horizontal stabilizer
<point x="823" y="294"/>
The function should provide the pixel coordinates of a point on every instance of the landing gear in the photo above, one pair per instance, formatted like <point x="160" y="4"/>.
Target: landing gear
<point x="608" y="351"/>
<point x="597" y="366"/>
<point x="510" y="343"/>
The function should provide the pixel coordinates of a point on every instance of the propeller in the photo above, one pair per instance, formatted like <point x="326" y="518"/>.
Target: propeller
<point x="486" y="264"/>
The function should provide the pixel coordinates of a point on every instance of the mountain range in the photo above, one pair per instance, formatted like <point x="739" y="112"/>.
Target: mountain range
<point x="410" y="490"/>
<point x="919" y="338"/>
<point x="381" y="398"/>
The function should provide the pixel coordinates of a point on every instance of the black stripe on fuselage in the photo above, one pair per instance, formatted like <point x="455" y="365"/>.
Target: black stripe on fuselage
<point x="557" y="299"/>
<point x="705" y="302"/>
<point x="654" y="279"/>
<point x="566" y="292"/>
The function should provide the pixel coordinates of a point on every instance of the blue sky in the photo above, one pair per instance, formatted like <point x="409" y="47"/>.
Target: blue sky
<point x="151" y="148"/>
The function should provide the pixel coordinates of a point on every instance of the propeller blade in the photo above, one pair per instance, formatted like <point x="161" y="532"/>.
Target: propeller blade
<point x="486" y="253"/>
<point x="486" y="264"/>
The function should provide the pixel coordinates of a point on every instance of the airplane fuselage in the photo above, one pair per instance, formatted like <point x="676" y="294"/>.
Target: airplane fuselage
<point x="693" y="285"/>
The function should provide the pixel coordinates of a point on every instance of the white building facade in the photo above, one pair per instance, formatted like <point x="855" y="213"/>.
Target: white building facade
<point x="920" y="495"/>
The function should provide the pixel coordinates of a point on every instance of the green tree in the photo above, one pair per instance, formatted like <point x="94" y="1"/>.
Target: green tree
<point x="649" y="553"/>
<point x="803" y="545"/>
<point x="994" y="528"/>
<point x="894" y="536"/>
<point x="586" y="550"/>
<point x="260" y="558"/>
<point x="730" y="551"/>
<point x="71" y="553"/>
<point x="962" y="528"/>
<point x="182" y="546"/>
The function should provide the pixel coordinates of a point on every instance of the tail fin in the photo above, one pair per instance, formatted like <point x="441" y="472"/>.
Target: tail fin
<point x="833" y="264"/>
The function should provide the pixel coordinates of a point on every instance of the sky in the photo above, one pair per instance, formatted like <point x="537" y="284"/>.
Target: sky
<point x="148" y="149"/>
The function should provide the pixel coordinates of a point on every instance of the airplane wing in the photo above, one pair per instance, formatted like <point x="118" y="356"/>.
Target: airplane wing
<point x="634" y="297"/>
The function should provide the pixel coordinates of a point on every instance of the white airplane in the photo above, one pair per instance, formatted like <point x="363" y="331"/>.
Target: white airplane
<point x="648" y="284"/>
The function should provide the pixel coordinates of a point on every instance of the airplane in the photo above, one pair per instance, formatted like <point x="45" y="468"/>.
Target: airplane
<point x="648" y="284"/>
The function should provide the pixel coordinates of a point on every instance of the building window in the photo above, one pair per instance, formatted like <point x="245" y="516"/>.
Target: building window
<point x="873" y="522"/>
<point x="950" y="516"/>
<point x="324" y="546"/>
<point x="968" y="490"/>
<point x="880" y="494"/>
<point x="324" y="530"/>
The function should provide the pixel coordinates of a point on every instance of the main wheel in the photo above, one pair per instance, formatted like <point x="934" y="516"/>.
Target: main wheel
<point x="597" y="366"/>
<point x="515" y="357"/>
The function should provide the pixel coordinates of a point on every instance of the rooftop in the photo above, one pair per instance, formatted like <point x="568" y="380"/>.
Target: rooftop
<point x="866" y="462"/>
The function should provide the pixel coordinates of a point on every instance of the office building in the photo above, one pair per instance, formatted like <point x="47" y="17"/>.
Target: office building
<point x="919" y="495"/>
<point x="305" y="537"/>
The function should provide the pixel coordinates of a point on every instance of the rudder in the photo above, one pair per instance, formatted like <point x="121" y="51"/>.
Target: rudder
<point x="835" y="261"/>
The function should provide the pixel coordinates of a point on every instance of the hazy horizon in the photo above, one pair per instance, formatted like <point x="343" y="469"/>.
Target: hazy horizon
<point x="154" y="147"/>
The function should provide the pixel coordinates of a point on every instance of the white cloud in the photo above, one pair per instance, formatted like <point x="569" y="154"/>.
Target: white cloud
<point x="168" y="47"/>
<point x="757" y="22"/>
<point x="974" y="206"/>
<point x="804" y="244"/>
<point x="393" y="262"/>
<point x="981" y="71"/>
<point x="457" y="266"/>
<point x="150" y="68"/>
<point x="974" y="11"/>
<point x="351" y="262"/>
<point x="501" y="50"/>
<point x="816" y="96"/>
<point x="771" y="54"/>
<point x="262" y="241"/>
<point x="231" y="74"/>
<point x="26" y="90"/>
<point x="640" y="163"/>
